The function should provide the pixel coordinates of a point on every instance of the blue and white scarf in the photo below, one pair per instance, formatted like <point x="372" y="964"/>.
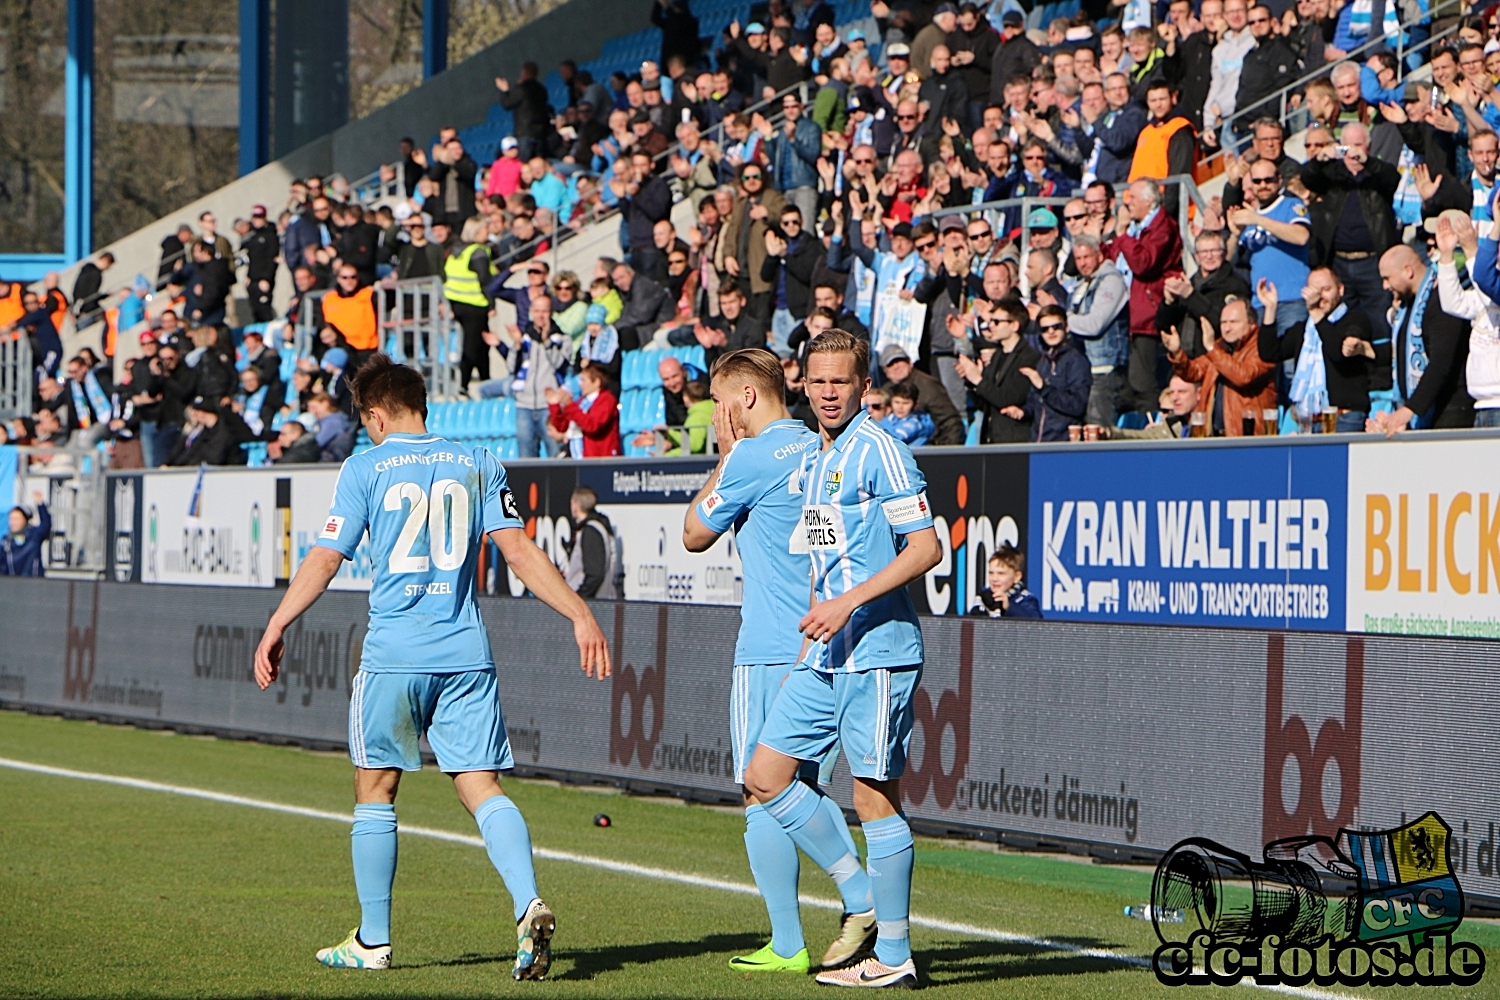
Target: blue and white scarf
<point x="1407" y="202"/>
<point x="1482" y="211"/>
<point x="1309" y="392"/>
<point x="601" y="349"/>
<point x="253" y="405"/>
<point x="523" y="371"/>
<point x="575" y="433"/>
<point x="1361" y="14"/>
<point x="95" y="406"/>
<point x="1410" y="362"/>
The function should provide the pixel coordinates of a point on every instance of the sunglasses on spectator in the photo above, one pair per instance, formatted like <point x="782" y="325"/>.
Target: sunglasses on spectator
<point x="1034" y="156"/>
<point x="906" y="118"/>
<point x="983" y="234"/>
<point x="1052" y="326"/>
<point x="1263" y="180"/>
<point x="926" y="246"/>
<point x="1076" y="218"/>
<point x="876" y="406"/>
<point x="751" y="177"/>
<point x="1260" y="20"/>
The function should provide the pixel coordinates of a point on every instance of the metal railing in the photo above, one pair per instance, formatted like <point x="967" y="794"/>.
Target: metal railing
<point x="1282" y="98"/>
<point x="416" y="328"/>
<point x="74" y="494"/>
<point x="1188" y="194"/>
<point x="17" y="376"/>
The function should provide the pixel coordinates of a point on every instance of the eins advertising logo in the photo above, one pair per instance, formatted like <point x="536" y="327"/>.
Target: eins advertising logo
<point x="1375" y="908"/>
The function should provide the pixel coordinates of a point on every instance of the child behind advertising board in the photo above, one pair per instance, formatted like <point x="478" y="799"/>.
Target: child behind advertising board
<point x="908" y="422"/>
<point x="1006" y="596"/>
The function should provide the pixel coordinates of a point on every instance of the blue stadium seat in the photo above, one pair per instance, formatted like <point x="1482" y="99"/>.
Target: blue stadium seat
<point x="688" y="356"/>
<point x="1133" y="420"/>
<point x="975" y="425"/>
<point x="506" y="421"/>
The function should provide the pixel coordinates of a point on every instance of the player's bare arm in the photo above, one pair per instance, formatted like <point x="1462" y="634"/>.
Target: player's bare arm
<point x="922" y="553"/>
<point x="697" y="536"/>
<point x="318" y="569"/>
<point x="535" y="570"/>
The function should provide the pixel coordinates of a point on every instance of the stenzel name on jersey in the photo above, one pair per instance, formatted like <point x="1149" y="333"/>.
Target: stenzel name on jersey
<point x="818" y="520"/>
<point x="436" y="587"/>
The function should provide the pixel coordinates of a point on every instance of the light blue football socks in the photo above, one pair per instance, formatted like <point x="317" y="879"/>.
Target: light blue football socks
<point x="508" y="844"/>
<point x="823" y="836"/>
<point x="889" y="858"/>
<point x="775" y="865"/>
<point x="372" y="842"/>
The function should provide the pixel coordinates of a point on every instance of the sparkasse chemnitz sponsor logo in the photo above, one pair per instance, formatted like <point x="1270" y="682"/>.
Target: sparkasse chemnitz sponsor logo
<point x="1391" y="923"/>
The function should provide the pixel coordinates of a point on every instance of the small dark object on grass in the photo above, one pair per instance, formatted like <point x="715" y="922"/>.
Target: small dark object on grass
<point x="602" y="819"/>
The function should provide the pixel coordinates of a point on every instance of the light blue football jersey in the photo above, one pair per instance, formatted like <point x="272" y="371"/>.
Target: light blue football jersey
<point x="760" y="496"/>
<point x="860" y="495"/>
<point x="427" y="503"/>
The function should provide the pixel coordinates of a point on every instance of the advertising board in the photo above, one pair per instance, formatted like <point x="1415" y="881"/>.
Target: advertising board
<point x="1251" y="536"/>
<point x="1424" y="538"/>
<point x="1057" y="734"/>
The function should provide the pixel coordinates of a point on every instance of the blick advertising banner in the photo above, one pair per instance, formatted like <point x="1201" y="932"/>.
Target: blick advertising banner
<point x="1249" y="536"/>
<point x="1424" y="538"/>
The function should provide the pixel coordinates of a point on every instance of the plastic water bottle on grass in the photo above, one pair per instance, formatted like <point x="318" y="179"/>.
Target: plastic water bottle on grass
<point x="1142" y="911"/>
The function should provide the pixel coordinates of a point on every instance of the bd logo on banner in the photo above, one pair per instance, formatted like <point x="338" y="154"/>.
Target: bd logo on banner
<point x="1424" y="539"/>
<point x="1249" y="536"/>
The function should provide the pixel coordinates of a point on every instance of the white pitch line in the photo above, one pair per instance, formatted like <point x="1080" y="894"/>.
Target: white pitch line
<point x="626" y="868"/>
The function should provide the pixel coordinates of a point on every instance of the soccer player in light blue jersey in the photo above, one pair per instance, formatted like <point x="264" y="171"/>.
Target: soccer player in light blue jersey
<point x="870" y="531"/>
<point x="756" y="492"/>
<point x="426" y="667"/>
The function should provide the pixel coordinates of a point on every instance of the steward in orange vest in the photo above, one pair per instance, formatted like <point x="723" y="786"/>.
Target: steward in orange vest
<point x="1167" y="145"/>
<point x="351" y="311"/>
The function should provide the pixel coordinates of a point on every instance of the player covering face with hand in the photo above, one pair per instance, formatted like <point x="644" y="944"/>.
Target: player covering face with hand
<point x="426" y="667"/>
<point x="756" y="492"/>
<point x="869" y="530"/>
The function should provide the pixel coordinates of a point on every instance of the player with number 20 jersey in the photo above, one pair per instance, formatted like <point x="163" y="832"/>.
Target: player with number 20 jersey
<point x="427" y="505"/>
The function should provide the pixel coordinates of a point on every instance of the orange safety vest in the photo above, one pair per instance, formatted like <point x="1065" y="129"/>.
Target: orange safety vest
<point x="111" y="330"/>
<point x="10" y="306"/>
<point x="59" y="303"/>
<point x="354" y="317"/>
<point x="1151" y="149"/>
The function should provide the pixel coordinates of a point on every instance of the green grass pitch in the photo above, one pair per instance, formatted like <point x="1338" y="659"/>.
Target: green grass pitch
<point x="122" y="892"/>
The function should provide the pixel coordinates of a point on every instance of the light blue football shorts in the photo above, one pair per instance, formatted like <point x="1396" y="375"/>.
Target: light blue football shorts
<point x="751" y="695"/>
<point x="458" y="713"/>
<point x="868" y="713"/>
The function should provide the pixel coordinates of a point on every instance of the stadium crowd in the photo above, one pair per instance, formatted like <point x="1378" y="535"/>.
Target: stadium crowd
<point x="829" y="172"/>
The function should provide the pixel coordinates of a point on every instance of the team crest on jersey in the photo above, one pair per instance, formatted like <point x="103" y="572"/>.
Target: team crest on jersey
<point x="835" y="482"/>
<point x="1299" y="209"/>
<point x="508" y="504"/>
